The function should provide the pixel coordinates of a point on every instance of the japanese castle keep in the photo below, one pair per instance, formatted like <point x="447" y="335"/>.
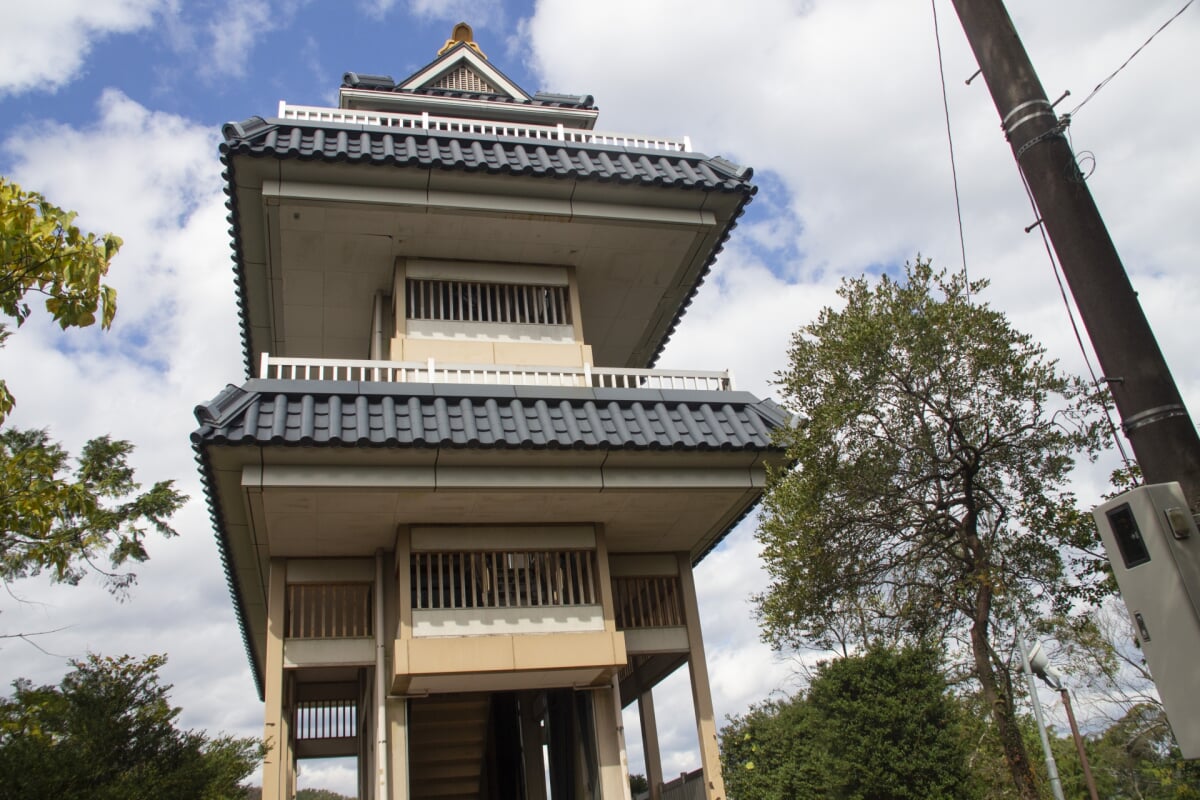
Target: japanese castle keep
<point x="458" y="510"/>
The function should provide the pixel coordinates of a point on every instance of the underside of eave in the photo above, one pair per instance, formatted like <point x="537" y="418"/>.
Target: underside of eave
<point x="228" y="512"/>
<point x="218" y="519"/>
<point x="659" y="328"/>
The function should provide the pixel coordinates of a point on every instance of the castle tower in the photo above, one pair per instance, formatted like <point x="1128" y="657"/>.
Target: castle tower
<point x="458" y="511"/>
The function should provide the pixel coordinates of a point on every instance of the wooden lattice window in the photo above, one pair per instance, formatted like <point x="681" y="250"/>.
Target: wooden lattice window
<point x="328" y="610"/>
<point x="509" y="579"/>
<point x="464" y="79"/>
<point x="472" y="301"/>
<point x="648" y="602"/>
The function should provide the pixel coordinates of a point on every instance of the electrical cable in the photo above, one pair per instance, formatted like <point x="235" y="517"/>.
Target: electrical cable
<point x="1062" y="290"/>
<point x="962" y="242"/>
<point x="1104" y="82"/>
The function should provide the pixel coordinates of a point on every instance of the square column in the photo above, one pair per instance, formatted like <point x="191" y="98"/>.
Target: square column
<point x="610" y="743"/>
<point x="278" y="763"/>
<point x="706" y="727"/>
<point x="397" y="722"/>
<point x="650" y="751"/>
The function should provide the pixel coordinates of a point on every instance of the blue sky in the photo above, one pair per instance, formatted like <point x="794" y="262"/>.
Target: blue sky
<point x="113" y="108"/>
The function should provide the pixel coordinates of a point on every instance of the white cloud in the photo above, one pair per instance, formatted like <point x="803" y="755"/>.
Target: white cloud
<point x="44" y="45"/>
<point x="153" y="178"/>
<point x="234" y="33"/>
<point x="478" y="14"/>
<point x="838" y="107"/>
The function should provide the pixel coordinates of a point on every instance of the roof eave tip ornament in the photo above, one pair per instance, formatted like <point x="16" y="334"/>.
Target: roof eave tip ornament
<point x="462" y="34"/>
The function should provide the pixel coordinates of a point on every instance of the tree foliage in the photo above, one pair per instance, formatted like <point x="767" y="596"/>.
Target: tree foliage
<point x="107" y="732"/>
<point x="42" y="251"/>
<point x="1137" y="758"/>
<point x="873" y="726"/>
<point x="927" y="501"/>
<point x="53" y="518"/>
<point x="56" y="519"/>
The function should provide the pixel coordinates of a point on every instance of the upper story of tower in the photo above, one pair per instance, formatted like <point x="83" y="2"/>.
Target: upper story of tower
<point x="452" y="217"/>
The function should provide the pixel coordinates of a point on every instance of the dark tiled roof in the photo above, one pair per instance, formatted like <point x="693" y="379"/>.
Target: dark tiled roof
<point x="258" y="137"/>
<point x="353" y="414"/>
<point x="261" y="138"/>
<point x="486" y="417"/>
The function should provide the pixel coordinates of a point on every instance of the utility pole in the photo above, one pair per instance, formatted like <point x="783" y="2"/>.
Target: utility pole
<point x="1153" y="416"/>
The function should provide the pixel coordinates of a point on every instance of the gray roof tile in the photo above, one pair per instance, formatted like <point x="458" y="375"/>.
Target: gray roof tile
<point x="277" y="413"/>
<point x="258" y="137"/>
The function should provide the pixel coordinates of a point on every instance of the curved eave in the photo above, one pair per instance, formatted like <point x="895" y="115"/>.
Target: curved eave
<point x="733" y="428"/>
<point x="688" y="172"/>
<point x="223" y="547"/>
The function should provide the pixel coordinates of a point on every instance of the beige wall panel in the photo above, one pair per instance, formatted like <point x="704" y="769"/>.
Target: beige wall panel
<point x="568" y="650"/>
<point x="487" y="272"/>
<point x="656" y="640"/>
<point x="451" y="352"/>
<point x="465" y="654"/>
<point x="327" y="652"/>
<point x="549" y="355"/>
<point x="643" y="566"/>
<point x="550" y="537"/>
<point x="462" y="330"/>
<point x="330" y="570"/>
<point x="492" y="661"/>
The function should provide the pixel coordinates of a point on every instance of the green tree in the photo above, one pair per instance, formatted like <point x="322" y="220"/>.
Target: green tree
<point x="43" y="252"/>
<point x="51" y="519"/>
<point x="876" y="726"/>
<point x="107" y="732"/>
<point x="927" y="498"/>
<point x="59" y="520"/>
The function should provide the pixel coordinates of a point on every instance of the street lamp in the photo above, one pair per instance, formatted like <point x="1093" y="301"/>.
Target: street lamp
<point x="1036" y="663"/>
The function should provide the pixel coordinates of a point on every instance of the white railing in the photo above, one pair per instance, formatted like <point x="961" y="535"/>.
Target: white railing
<point x="347" y="369"/>
<point x="428" y="123"/>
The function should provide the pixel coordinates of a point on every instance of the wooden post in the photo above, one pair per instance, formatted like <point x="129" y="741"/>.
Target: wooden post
<point x="706" y="726"/>
<point x="650" y="749"/>
<point x="1153" y="415"/>
<point x="397" y="718"/>
<point x="278" y="759"/>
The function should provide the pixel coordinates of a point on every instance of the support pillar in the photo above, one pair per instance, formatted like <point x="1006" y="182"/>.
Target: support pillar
<point x="614" y="776"/>
<point x="706" y="726"/>
<point x="278" y="762"/>
<point x="397" y="720"/>
<point x="381" y="760"/>
<point x="650" y="743"/>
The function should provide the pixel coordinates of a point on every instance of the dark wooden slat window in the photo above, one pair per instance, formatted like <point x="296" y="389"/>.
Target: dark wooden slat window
<point x="504" y="579"/>
<point x="472" y="301"/>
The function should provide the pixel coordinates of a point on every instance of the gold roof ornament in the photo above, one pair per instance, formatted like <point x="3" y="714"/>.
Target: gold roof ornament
<point x="462" y="33"/>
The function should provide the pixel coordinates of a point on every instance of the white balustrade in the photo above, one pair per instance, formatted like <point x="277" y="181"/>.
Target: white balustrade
<point x="426" y="123"/>
<point x="345" y="369"/>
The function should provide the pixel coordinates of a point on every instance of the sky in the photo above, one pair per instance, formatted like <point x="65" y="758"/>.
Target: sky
<point x="113" y="108"/>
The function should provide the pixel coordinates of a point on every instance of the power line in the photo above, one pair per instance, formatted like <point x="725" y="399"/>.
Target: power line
<point x="1104" y="82"/>
<point x="1062" y="290"/>
<point x="962" y="242"/>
